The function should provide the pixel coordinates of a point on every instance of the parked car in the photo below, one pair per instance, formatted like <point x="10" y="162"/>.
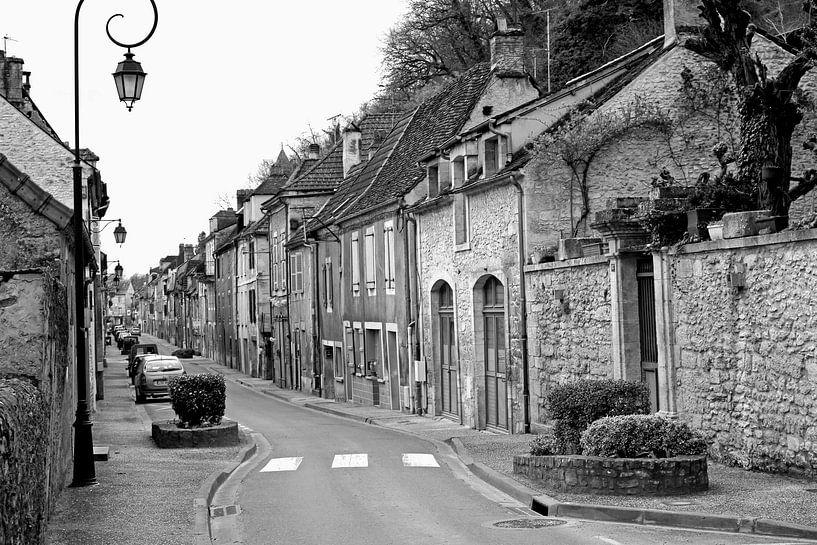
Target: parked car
<point x="152" y="375"/>
<point x="132" y="367"/>
<point x="141" y="348"/>
<point x="136" y="330"/>
<point x="127" y="342"/>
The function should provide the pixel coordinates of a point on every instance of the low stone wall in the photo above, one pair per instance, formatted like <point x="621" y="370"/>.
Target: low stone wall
<point x="167" y="435"/>
<point x="23" y="463"/>
<point x="616" y="476"/>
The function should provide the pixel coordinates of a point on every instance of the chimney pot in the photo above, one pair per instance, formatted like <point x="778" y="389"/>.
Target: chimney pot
<point x="314" y="151"/>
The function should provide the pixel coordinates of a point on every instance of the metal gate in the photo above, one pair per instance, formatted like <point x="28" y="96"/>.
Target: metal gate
<point x="646" y="328"/>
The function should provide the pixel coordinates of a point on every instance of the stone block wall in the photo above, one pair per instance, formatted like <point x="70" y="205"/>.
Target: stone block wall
<point x="745" y="362"/>
<point x="24" y="500"/>
<point x="571" y="338"/>
<point x="616" y="476"/>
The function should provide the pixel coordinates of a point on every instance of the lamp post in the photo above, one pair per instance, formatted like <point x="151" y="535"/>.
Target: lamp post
<point x="129" y="81"/>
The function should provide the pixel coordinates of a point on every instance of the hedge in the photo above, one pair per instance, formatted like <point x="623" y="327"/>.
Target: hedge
<point x="575" y="405"/>
<point x="641" y="436"/>
<point x="199" y="400"/>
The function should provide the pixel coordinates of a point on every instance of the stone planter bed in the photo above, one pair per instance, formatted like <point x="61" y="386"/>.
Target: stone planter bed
<point x="616" y="476"/>
<point x="167" y="435"/>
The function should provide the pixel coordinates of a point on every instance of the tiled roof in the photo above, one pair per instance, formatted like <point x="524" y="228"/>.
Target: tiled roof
<point x="374" y="128"/>
<point x="32" y="194"/>
<point x="436" y="120"/>
<point x="256" y="226"/>
<point x="226" y="236"/>
<point x="324" y="174"/>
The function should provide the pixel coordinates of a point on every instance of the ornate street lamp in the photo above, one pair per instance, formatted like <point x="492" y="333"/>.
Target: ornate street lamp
<point x="119" y="234"/>
<point x="118" y="271"/>
<point x="132" y="81"/>
<point x="115" y="283"/>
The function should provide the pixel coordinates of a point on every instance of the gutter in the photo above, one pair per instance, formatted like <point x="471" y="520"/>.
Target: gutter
<point x="523" y="303"/>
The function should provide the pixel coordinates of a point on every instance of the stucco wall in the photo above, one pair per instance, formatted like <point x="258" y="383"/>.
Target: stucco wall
<point x="572" y="338"/>
<point x="745" y="359"/>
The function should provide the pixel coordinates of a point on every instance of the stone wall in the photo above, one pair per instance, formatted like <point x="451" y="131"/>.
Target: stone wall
<point x="616" y="476"/>
<point x="571" y="338"/>
<point x="23" y="463"/>
<point x="745" y="365"/>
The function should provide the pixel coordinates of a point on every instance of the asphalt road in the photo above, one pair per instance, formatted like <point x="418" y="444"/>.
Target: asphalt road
<point x="323" y="479"/>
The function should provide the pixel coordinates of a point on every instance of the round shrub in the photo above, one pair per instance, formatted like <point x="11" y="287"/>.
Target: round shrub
<point x="574" y="405"/>
<point x="199" y="400"/>
<point x="184" y="353"/>
<point x="542" y="445"/>
<point x="641" y="436"/>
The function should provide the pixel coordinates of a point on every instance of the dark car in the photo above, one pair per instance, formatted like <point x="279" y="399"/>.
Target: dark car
<point x="153" y="373"/>
<point x="139" y="349"/>
<point x="127" y="342"/>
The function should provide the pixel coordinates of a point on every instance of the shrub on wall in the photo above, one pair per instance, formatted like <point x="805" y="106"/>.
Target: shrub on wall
<point x="641" y="436"/>
<point x="198" y="400"/>
<point x="543" y="445"/>
<point x="576" y="404"/>
<point x="23" y="453"/>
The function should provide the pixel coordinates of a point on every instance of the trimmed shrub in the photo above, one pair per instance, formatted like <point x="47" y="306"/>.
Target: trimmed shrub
<point x="542" y="445"/>
<point x="641" y="436"/>
<point x="575" y="405"/>
<point x="184" y="353"/>
<point x="198" y="400"/>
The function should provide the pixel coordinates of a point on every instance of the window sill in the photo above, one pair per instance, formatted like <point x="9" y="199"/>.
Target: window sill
<point x="462" y="247"/>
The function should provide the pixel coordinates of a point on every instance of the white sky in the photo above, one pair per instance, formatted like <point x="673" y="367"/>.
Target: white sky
<point x="228" y="83"/>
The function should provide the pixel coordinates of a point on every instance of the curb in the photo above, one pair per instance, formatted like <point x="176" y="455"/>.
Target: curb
<point x="201" y="503"/>
<point x="547" y="506"/>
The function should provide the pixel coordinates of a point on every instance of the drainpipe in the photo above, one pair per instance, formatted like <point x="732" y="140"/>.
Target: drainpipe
<point x="411" y="310"/>
<point x="523" y="300"/>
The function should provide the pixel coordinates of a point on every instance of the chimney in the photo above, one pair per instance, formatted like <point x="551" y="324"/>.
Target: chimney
<point x="241" y="196"/>
<point x="11" y="79"/>
<point x="377" y="140"/>
<point x="314" y="151"/>
<point x="188" y="252"/>
<point x="351" y="148"/>
<point x="507" y="48"/>
<point x="681" y="17"/>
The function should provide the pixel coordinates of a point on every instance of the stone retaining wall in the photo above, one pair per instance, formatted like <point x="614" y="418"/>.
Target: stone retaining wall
<point x="168" y="435"/>
<point x="616" y="476"/>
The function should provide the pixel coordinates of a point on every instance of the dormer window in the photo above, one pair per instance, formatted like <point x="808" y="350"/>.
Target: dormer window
<point x="458" y="171"/>
<point x="433" y="180"/>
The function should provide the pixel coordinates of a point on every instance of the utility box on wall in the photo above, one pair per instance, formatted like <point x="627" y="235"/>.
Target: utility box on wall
<point x="420" y="370"/>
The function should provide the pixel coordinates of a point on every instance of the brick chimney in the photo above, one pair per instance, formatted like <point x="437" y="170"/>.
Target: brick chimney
<point x="681" y="17"/>
<point x="351" y="148"/>
<point x="507" y="48"/>
<point x="314" y="151"/>
<point x="241" y="196"/>
<point x="11" y="79"/>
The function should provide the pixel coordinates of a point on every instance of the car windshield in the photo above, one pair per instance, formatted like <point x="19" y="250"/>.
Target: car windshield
<point x="162" y="366"/>
<point x="145" y="350"/>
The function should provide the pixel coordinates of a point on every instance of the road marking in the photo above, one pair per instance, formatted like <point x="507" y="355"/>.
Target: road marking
<point x="419" y="460"/>
<point x="350" y="460"/>
<point x="283" y="464"/>
<point x="608" y="540"/>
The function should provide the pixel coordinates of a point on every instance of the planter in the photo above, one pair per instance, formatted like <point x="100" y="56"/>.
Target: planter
<point x="715" y="230"/>
<point x="167" y="435"/>
<point x="742" y="224"/>
<point x="616" y="476"/>
<point x="698" y="218"/>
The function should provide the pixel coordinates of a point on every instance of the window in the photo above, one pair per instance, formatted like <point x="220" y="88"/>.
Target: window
<point x="371" y="269"/>
<point x="275" y="267"/>
<point x="350" y="347"/>
<point x="433" y="181"/>
<point x="374" y="360"/>
<point x="355" y="264"/>
<point x="491" y="156"/>
<point x="251" y="303"/>
<point x="252" y="255"/>
<point x="461" y="221"/>
<point x="282" y="256"/>
<point x="388" y="256"/>
<point x="360" y="363"/>
<point x="329" y="287"/>
<point x="296" y="271"/>
<point x="458" y="171"/>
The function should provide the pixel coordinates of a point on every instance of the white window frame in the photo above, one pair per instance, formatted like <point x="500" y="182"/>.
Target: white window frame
<point x="370" y="258"/>
<point x="389" y="275"/>
<point x="329" y="287"/>
<point x="275" y="264"/>
<point x="296" y="264"/>
<point x="466" y="218"/>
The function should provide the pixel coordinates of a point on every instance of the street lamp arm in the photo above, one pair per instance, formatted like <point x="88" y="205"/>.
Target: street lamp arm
<point x="137" y="44"/>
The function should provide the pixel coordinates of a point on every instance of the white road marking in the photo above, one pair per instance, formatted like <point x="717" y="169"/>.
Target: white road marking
<point x="350" y="460"/>
<point x="608" y="540"/>
<point x="283" y="464"/>
<point x="419" y="460"/>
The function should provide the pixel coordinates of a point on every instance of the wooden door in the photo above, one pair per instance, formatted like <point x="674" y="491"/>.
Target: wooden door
<point x="448" y="366"/>
<point x="494" y="354"/>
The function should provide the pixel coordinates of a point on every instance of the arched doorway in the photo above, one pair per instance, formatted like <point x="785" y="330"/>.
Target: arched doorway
<point x="493" y="352"/>
<point x="445" y="350"/>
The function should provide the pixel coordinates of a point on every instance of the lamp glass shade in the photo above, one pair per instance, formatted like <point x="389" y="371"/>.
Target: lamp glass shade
<point x="129" y="78"/>
<point x="116" y="282"/>
<point x="118" y="271"/>
<point x="119" y="234"/>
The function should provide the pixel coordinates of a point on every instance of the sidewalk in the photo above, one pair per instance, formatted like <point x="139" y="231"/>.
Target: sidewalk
<point x="147" y="495"/>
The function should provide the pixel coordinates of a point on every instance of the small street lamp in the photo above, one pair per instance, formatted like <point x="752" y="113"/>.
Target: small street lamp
<point x="129" y="81"/>
<point x="119" y="234"/>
